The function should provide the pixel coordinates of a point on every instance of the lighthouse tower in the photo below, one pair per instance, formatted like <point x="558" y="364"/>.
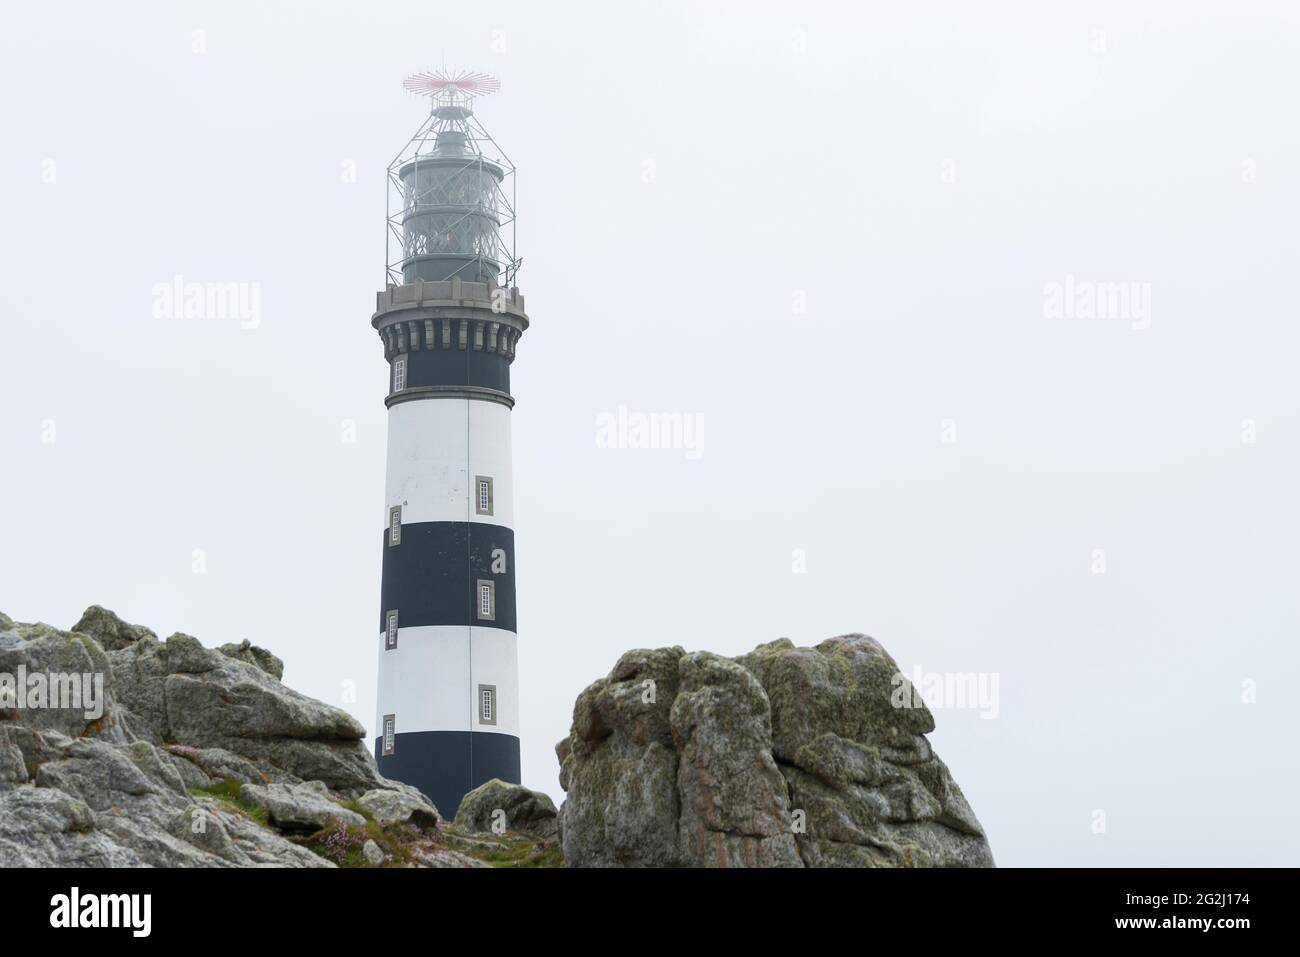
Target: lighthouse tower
<point x="450" y="319"/>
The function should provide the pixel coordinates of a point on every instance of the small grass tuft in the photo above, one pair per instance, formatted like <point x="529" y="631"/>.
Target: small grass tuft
<point x="227" y="790"/>
<point x="512" y="849"/>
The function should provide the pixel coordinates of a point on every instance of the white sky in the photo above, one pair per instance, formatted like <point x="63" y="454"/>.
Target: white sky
<point x="918" y="174"/>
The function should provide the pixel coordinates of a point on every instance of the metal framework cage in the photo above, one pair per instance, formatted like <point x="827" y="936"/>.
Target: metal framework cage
<point x="451" y="192"/>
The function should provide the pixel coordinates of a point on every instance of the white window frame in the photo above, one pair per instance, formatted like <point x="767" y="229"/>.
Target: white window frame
<point x="390" y="630"/>
<point x="399" y="373"/>
<point x="480" y="507"/>
<point x="389" y="730"/>
<point x="487" y="695"/>
<point x="485" y="589"/>
<point x="395" y="525"/>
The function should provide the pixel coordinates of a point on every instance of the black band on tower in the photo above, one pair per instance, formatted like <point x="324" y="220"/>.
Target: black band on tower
<point x="432" y="576"/>
<point x="445" y="765"/>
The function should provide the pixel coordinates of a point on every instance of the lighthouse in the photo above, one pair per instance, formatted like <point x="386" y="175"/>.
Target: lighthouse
<point x="450" y="318"/>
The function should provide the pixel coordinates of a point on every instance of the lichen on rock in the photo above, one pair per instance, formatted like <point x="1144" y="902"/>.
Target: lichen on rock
<point x="200" y="758"/>
<point x="497" y="806"/>
<point x="255" y="656"/>
<point x="783" y="757"/>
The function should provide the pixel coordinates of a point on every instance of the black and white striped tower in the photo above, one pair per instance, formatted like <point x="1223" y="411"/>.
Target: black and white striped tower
<point x="450" y="319"/>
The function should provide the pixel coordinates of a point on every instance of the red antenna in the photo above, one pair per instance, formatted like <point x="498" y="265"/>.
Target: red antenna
<point x="441" y="82"/>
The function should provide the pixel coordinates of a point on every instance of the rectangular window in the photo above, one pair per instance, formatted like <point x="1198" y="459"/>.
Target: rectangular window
<point x="487" y="704"/>
<point x="487" y="600"/>
<point x="390" y="733"/>
<point x="395" y="525"/>
<point x="483" y="499"/>
<point x="399" y="373"/>
<point x="390" y="631"/>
